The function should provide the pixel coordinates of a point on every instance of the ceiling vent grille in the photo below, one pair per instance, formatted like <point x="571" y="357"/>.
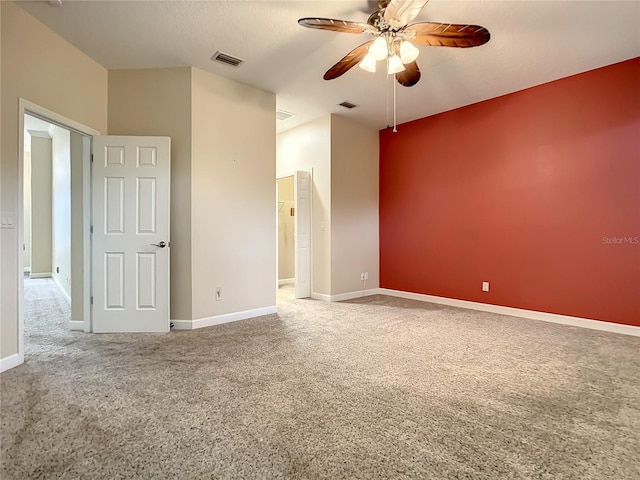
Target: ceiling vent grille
<point x="227" y="59"/>
<point x="348" y="105"/>
<point x="282" y="115"/>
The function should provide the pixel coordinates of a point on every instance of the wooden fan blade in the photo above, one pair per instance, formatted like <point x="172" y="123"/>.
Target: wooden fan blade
<point x="409" y="76"/>
<point x="348" y="61"/>
<point x="336" y="25"/>
<point x="403" y="11"/>
<point x="447" y="35"/>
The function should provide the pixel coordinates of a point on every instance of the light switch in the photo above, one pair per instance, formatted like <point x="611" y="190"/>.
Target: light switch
<point x="7" y="220"/>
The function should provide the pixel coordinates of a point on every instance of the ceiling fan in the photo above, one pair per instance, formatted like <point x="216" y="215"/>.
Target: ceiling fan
<point x="395" y="39"/>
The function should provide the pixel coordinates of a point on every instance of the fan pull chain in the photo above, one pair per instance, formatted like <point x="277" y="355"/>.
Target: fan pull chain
<point x="388" y="123"/>
<point x="395" y="129"/>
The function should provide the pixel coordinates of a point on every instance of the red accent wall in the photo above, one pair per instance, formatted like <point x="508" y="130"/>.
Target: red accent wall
<point x="536" y="192"/>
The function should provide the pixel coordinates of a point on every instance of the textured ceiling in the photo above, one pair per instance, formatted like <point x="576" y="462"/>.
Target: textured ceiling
<point x="532" y="42"/>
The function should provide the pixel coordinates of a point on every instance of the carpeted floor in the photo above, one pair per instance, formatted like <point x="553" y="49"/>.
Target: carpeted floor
<point x="377" y="387"/>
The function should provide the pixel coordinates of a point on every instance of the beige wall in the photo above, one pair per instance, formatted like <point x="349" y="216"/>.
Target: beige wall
<point x="344" y="158"/>
<point x="41" y="211"/>
<point x="221" y="184"/>
<point x="68" y="83"/>
<point x="26" y="257"/>
<point x="77" y="261"/>
<point x="158" y="102"/>
<point x="309" y="147"/>
<point x="286" y="244"/>
<point x="61" y="207"/>
<point x="1" y="204"/>
<point x="233" y="229"/>
<point x="354" y="206"/>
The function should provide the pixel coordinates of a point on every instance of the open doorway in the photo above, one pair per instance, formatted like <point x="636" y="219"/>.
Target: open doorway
<point x="47" y="211"/>
<point x="53" y="223"/>
<point x="294" y="233"/>
<point x="286" y="234"/>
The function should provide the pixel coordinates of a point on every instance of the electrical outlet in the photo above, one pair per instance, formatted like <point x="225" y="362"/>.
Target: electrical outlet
<point x="366" y="275"/>
<point x="362" y="276"/>
<point x="218" y="294"/>
<point x="485" y="286"/>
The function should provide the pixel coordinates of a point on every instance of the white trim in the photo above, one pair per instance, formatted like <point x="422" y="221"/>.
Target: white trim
<point x="220" y="319"/>
<point x="9" y="362"/>
<point x="62" y="290"/>
<point x="41" y="275"/>
<point x="518" y="312"/>
<point x="286" y="281"/>
<point x="76" y="325"/>
<point x="27" y="107"/>
<point x="341" y="297"/>
<point x="351" y="295"/>
<point x="27" y="269"/>
<point x="321" y="296"/>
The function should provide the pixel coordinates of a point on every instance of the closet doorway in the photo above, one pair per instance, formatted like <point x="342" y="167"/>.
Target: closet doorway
<point x="286" y="242"/>
<point x="294" y="232"/>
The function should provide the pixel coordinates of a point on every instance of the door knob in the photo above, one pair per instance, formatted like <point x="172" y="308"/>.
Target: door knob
<point x="161" y="244"/>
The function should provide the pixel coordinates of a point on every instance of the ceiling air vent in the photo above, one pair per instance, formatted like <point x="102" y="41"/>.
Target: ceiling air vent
<point x="348" y="105"/>
<point x="282" y="115"/>
<point x="226" y="59"/>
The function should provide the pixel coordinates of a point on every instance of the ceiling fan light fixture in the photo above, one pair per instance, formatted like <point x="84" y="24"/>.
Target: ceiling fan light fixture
<point x="395" y="65"/>
<point x="368" y="63"/>
<point x="378" y="49"/>
<point x="408" y="52"/>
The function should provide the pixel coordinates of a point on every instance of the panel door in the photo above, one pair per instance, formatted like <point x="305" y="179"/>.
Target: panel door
<point x="130" y="241"/>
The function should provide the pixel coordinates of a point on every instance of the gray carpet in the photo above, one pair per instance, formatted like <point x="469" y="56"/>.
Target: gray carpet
<point x="373" y="388"/>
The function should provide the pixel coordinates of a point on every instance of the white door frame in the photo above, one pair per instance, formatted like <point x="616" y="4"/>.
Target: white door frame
<point x="27" y="107"/>
<point x="293" y="174"/>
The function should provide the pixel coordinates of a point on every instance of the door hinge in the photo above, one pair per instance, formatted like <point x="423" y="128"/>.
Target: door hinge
<point x="92" y="158"/>
<point x="91" y="299"/>
<point x="91" y="229"/>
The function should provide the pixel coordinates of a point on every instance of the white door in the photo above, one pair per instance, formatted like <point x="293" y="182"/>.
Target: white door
<point x="130" y="249"/>
<point x="302" y="233"/>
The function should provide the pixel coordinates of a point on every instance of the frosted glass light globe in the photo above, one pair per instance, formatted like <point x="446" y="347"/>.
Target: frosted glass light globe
<point x="395" y="65"/>
<point x="378" y="49"/>
<point x="408" y="52"/>
<point x="368" y="63"/>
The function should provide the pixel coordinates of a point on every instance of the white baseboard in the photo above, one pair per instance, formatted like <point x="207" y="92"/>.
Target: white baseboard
<point x="341" y="297"/>
<point x="286" y="281"/>
<point x="9" y="362"/>
<point x="518" y="312"/>
<point x="321" y="296"/>
<point x="41" y="275"/>
<point x="76" y="325"/>
<point x="225" y="318"/>
<point x="62" y="290"/>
